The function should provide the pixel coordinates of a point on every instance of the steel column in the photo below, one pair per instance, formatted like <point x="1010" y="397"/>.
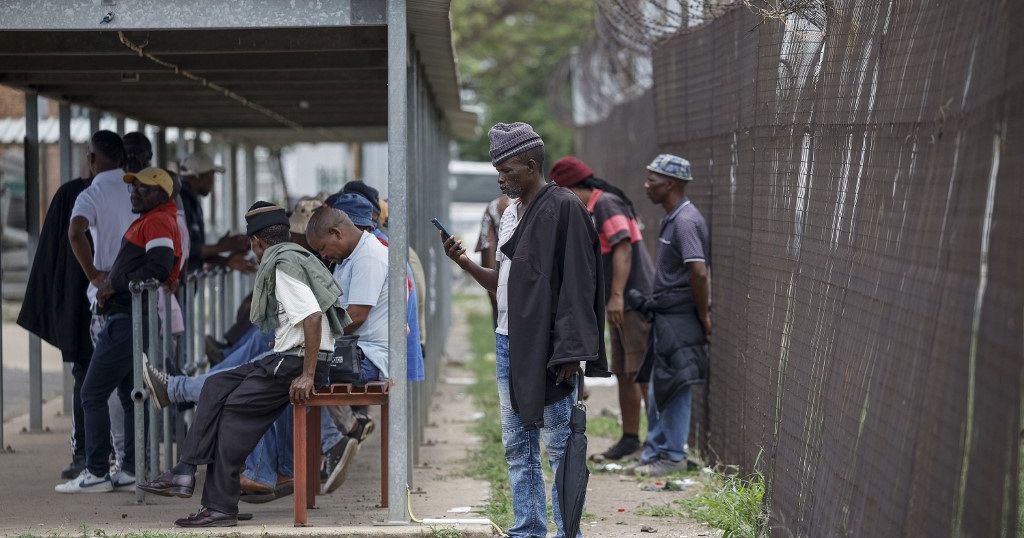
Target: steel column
<point x="120" y="125"/>
<point x="94" y="121"/>
<point x="152" y="329"/>
<point x="64" y="145"/>
<point x="250" y="172"/>
<point x="160" y="146"/>
<point x="138" y="391"/>
<point x="168" y="437"/>
<point x="33" y="203"/>
<point x="398" y="256"/>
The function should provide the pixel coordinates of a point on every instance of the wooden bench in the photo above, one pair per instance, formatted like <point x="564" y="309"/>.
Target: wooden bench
<point x="306" y="439"/>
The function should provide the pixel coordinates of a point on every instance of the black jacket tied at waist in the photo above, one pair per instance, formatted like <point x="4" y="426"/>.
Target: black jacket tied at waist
<point x="677" y="352"/>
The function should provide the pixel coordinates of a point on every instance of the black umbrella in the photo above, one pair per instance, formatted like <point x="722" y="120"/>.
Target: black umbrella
<point x="573" y="473"/>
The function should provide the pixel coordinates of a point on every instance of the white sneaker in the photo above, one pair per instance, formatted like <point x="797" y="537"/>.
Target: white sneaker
<point x="121" y="480"/>
<point x="86" y="482"/>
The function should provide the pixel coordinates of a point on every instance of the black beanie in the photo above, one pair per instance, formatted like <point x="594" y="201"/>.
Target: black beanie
<point x="264" y="215"/>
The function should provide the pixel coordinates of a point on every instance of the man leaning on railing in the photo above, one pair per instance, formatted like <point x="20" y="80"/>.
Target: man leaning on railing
<point x="296" y="298"/>
<point x="150" y="249"/>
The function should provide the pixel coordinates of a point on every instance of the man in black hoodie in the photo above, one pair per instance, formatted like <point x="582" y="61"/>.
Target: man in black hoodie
<point x="550" y="315"/>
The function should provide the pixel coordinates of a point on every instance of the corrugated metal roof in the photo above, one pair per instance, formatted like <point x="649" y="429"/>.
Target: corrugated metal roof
<point x="282" y="81"/>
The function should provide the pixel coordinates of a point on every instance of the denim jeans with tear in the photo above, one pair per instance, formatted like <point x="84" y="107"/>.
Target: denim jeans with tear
<point x="522" y="453"/>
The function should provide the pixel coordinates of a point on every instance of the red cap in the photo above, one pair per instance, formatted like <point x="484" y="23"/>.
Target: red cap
<point x="569" y="171"/>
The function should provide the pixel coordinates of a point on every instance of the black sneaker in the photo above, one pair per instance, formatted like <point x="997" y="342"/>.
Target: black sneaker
<point x="624" y="448"/>
<point x="363" y="428"/>
<point x="156" y="383"/>
<point x="337" y="462"/>
<point x="74" y="468"/>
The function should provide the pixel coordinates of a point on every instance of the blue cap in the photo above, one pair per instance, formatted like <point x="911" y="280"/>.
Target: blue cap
<point x="671" y="166"/>
<point x="357" y="207"/>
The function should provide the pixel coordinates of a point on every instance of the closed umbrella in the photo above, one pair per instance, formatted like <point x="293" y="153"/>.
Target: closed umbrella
<point x="573" y="474"/>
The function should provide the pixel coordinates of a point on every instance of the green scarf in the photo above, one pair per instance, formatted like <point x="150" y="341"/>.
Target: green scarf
<point x="298" y="263"/>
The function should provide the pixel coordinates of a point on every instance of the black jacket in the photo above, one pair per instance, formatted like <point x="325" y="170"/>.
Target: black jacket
<point x="677" y="353"/>
<point x="56" y="308"/>
<point x="556" y="300"/>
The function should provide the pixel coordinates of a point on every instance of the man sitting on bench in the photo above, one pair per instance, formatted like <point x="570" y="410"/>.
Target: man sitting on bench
<point x="362" y="269"/>
<point x="296" y="297"/>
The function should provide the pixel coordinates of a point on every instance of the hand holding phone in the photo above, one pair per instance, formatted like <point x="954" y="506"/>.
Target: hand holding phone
<point x="452" y="247"/>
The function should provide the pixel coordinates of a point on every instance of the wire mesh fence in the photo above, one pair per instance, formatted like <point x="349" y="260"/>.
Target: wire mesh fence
<point x="859" y="165"/>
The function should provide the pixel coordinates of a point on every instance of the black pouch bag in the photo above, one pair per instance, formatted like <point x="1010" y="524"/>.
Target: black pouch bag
<point x="342" y="366"/>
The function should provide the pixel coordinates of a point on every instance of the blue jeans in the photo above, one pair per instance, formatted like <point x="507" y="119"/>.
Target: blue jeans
<point x="273" y="455"/>
<point x="668" y="429"/>
<point x="522" y="453"/>
<point x="252" y="347"/>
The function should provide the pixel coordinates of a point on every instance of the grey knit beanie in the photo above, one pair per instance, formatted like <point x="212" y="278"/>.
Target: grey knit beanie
<point x="511" y="139"/>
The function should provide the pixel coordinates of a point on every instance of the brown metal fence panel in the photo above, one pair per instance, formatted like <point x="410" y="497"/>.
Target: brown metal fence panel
<point x="861" y="170"/>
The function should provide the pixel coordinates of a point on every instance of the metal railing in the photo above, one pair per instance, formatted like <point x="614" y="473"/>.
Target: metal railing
<point x="204" y="310"/>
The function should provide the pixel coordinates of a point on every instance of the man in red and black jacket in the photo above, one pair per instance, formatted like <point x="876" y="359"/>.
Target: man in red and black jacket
<point x="151" y="249"/>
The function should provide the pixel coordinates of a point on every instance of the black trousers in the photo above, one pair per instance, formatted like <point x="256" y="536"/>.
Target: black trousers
<point x="236" y="407"/>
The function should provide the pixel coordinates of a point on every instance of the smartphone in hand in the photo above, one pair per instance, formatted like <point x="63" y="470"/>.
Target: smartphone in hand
<point x="437" y="224"/>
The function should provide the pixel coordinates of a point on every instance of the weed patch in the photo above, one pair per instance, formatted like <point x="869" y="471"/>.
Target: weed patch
<point x="733" y="504"/>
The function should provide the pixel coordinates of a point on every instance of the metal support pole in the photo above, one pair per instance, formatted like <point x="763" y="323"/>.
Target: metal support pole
<point x="94" y="121"/>
<point x="64" y="148"/>
<point x="188" y="313"/>
<point x="33" y="204"/>
<point x="398" y="257"/>
<point x="167" y="354"/>
<point x="235" y="216"/>
<point x="225" y="307"/>
<point x="139" y="391"/>
<point x="153" y="329"/>
<point x="250" y="171"/>
<point x="160" y="146"/>
<point x="120" y="125"/>
<point x="198" y="355"/>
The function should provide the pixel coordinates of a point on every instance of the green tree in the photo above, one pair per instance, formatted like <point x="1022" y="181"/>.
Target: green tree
<point x="508" y="50"/>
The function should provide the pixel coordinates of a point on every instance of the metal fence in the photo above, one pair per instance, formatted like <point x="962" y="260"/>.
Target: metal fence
<point x="859" y="165"/>
<point x="205" y="309"/>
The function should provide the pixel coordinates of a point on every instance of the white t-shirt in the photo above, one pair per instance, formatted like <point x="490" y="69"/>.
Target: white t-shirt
<point x="363" y="278"/>
<point x="106" y="204"/>
<point x="509" y="221"/>
<point x="295" y="303"/>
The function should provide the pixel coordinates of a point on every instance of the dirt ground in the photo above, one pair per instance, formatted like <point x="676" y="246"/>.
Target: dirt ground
<point x="614" y="499"/>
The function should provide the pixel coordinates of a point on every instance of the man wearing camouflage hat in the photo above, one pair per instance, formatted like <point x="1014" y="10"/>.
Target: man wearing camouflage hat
<point x="550" y="298"/>
<point x="679" y="310"/>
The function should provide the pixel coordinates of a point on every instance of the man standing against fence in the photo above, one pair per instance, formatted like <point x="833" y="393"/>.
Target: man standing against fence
<point x="150" y="249"/>
<point x="296" y="298"/>
<point x="626" y="265"/>
<point x="550" y="316"/>
<point x="680" y="312"/>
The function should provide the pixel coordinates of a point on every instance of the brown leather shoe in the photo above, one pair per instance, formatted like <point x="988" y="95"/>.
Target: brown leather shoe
<point x="206" y="517"/>
<point x="252" y="486"/>
<point x="169" y="484"/>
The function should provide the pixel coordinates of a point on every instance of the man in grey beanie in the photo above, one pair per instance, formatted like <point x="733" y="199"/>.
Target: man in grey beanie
<point x="550" y="315"/>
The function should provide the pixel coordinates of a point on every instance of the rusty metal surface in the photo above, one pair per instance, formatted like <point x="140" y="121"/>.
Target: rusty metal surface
<point x="860" y="168"/>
